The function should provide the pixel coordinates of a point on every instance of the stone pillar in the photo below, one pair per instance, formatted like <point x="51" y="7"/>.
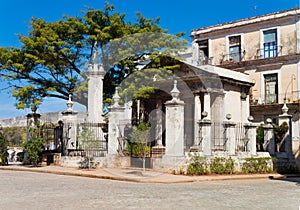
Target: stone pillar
<point x="32" y="121"/>
<point x="69" y="118"/>
<point x="269" y="138"/>
<point x="285" y="117"/>
<point x="95" y="93"/>
<point x="197" y="118"/>
<point x="230" y="140"/>
<point x="175" y="124"/>
<point x="159" y="125"/>
<point x="207" y="105"/>
<point x="159" y="148"/>
<point x="195" y="53"/>
<point x="116" y="114"/>
<point x="298" y="35"/>
<point x="205" y="136"/>
<point x="251" y="136"/>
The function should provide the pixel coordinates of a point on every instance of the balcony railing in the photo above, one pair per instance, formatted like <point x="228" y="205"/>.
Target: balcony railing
<point x="269" y="50"/>
<point x="262" y="99"/>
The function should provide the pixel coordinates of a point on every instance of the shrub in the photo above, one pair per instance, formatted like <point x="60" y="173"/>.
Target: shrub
<point x="220" y="165"/>
<point x="260" y="138"/>
<point x="257" y="165"/>
<point x="139" y="138"/>
<point x="33" y="150"/>
<point x="3" y="150"/>
<point x="198" y="166"/>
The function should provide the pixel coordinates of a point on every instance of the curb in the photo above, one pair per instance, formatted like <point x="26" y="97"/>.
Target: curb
<point x="188" y="179"/>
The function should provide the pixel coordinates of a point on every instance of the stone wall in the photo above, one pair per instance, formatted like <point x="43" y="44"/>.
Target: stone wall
<point x="52" y="117"/>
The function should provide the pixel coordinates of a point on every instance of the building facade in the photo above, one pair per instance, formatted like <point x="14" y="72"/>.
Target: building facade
<point x="267" y="48"/>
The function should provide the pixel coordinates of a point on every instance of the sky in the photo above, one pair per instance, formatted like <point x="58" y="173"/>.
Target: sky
<point x="176" y="16"/>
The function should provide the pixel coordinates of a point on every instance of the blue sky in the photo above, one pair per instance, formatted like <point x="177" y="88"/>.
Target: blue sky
<point x="176" y="16"/>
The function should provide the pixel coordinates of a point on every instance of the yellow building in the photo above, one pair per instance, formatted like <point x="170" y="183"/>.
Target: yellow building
<point x="267" y="48"/>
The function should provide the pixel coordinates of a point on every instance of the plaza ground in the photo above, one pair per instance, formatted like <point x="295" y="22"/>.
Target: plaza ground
<point x="28" y="190"/>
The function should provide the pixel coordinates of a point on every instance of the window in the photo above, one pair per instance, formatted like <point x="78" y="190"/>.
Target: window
<point x="203" y="52"/>
<point x="270" y="43"/>
<point x="235" y="48"/>
<point x="271" y="88"/>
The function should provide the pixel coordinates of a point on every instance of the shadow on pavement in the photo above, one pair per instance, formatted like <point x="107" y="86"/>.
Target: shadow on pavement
<point x="288" y="178"/>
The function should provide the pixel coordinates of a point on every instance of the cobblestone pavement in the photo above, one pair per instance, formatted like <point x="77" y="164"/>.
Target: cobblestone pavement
<point x="28" y="190"/>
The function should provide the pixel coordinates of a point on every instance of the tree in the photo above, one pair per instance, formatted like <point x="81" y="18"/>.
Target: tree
<point x="34" y="147"/>
<point x="53" y="58"/>
<point x="139" y="140"/>
<point x="3" y="149"/>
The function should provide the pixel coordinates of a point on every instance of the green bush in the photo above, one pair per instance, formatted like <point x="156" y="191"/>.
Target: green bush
<point x="33" y="150"/>
<point x="139" y="139"/>
<point x="257" y="165"/>
<point x="260" y="138"/>
<point x="3" y="150"/>
<point x="198" y="166"/>
<point x="220" y="165"/>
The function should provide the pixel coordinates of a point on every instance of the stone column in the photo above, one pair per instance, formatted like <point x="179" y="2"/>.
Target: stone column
<point x="69" y="118"/>
<point x="269" y="139"/>
<point x="95" y="93"/>
<point x="285" y="117"/>
<point x="251" y="136"/>
<point x="116" y="114"/>
<point x="205" y="136"/>
<point x="32" y="121"/>
<point x="175" y="124"/>
<point x="207" y="105"/>
<point x="159" y="125"/>
<point x="197" y="118"/>
<point x="230" y="141"/>
<point x="159" y="148"/>
<point x="195" y="53"/>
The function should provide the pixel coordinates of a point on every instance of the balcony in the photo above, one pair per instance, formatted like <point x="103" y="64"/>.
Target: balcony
<point x="269" y="50"/>
<point x="291" y="97"/>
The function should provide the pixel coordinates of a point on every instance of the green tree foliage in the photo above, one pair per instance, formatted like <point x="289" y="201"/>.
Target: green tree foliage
<point x="280" y="131"/>
<point x="15" y="135"/>
<point x="3" y="149"/>
<point x="34" y="147"/>
<point x="138" y="141"/>
<point x="53" y="57"/>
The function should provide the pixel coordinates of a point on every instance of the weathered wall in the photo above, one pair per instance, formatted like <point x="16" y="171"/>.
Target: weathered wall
<point x="52" y="117"/>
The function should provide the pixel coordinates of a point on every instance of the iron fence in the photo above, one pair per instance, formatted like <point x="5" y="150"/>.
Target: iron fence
<point x="221" y="137"/>
<point x="91" y="139"/>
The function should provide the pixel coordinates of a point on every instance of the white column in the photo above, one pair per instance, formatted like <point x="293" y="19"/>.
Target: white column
<point x="269" y="139"/>
<point x="285" y="117"/>
<point x="70" y="128"/>
<point x="195" y="53"/>
<point x="116" y="114"/>
<point x="230" y="144"/>
<point x="207" y="105"/>
<point x="298" y="36"/>
<point x="175" y="124"/>
<point x="95" y="93"/>
<point x="205" y="137"/>
<point x="251" y="136"/>
<point x="159" y="126"/>
<point x="197" y="118"/>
